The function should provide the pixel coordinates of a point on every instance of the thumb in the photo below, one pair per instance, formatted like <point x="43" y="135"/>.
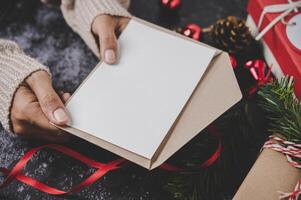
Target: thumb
<point x="50" y="102"/>
<point x="105" y="30"/>
<point x="108" y="46"/>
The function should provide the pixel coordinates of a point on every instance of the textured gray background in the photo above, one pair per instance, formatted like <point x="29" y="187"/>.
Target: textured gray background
<point x="43" y="34"/>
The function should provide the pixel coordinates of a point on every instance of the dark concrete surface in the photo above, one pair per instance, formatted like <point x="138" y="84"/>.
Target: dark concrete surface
<point x="43" y="34"/>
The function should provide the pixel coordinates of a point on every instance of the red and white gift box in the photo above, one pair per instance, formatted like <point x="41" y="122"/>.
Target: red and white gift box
<point x="277" y="23"/>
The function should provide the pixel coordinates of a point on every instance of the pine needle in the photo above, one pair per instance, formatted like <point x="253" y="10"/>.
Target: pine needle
<point x="283" y="108"/>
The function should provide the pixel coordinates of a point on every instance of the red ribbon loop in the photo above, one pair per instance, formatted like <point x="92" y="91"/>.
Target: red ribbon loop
<point x="260" y="72"/>
<point x="102" y="168"/>
<point x="213" y="130"/>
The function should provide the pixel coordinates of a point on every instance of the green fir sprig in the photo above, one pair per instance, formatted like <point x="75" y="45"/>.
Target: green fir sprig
<point x="242" y="129"/>
<point x="283" y="108"/>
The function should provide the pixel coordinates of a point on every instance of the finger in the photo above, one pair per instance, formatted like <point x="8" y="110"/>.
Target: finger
<point x="39" y="125"/>
<point x="49" y="101"/>
<point x="27" y="118"/>
<point x="41" y="135"/>
<point x="108" y="46"/>
<point x="64" y="96"/>
<point x="106" y="26"/>
<point x="123" y="22"/>
<point x="29" y="131"/>
<point x="60" y="137"/>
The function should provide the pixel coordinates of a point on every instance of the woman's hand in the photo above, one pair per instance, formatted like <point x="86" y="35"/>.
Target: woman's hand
<point x="34" y="105"/>
<point x="106" y="28"/>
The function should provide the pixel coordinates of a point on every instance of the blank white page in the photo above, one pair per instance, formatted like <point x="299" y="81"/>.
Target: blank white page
<point x="134" y="103"/>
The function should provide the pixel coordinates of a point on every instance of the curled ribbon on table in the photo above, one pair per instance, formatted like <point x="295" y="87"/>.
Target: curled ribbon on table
<point x="233" y="61"/>
<point x="16" y="171"/>
<point x="211" y="160"/>
<point x="284" y="9"/>
<point x="259" y="72"/>
<point x="291" y="151"/>
<point x="101" y="168"/>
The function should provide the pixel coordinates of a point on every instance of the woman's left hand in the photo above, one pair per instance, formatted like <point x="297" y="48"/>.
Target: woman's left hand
<point x="107" y="28"/>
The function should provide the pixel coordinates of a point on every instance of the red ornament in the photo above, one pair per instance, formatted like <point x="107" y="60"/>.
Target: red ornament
<point x="171" y="4"/>
<point x="193" y="31"/>
<point x="233" y="61"/>
<point x="260" y="72"/>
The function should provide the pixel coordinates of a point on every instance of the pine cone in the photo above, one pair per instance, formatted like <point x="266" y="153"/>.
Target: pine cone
<point x="231" y="34"/>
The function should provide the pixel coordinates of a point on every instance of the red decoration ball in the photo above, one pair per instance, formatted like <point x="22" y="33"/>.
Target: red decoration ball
<point x="171" y="4"/>
<point x="254" y="66"/>
<point x="193" y="31"/>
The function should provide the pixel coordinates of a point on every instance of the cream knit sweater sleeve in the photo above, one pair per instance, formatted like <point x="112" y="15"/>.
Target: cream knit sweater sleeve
<point x="15" y="66"/>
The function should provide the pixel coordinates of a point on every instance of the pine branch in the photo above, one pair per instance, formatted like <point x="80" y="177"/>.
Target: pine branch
<point x="283" y="108"/>
<point x="241" y="128"/>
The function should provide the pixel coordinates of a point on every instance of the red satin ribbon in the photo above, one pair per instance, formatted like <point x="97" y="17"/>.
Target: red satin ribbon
<point x="102" y="168"/>
<point x="260" y="72"/>
<point x="233" y="61"/>
<point x="213" y="130"/>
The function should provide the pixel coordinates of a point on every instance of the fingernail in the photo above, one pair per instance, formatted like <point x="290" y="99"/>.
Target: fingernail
<point x="60" y="115"/>
<point x="110" y="56"/>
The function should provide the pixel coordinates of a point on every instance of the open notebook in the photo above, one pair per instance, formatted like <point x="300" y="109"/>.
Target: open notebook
<point x="156" y="98"/>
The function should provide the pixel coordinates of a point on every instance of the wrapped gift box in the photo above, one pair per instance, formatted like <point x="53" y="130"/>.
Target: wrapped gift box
<point x="270" y="174"/>
<point x="281" y="43"/>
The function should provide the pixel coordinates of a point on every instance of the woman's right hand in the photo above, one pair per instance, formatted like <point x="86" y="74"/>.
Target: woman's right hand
<point x="36" y="104"/>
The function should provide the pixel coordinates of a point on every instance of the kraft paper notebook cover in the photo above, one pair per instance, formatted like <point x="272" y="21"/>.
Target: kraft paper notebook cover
<point x="163" y="91"/>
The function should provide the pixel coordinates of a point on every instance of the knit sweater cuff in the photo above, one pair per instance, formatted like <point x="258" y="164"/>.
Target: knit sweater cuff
<point x="15" y="67"/>
<point x="80" y="14"/>
<point x="93" y="8"/>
